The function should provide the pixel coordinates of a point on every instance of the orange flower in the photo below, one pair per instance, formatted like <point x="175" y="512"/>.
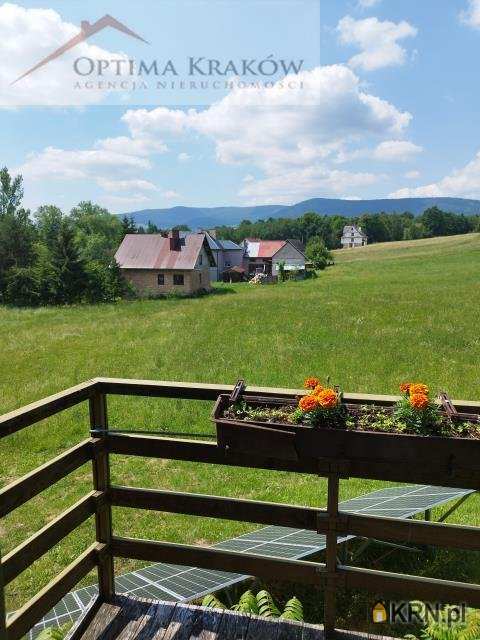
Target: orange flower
<point x="311" y="383"/>
<point x="418" y="389"/>
<point x="308" y="403"/>
<point x="328" y="398"/>
<point x="419" y="400"/>
<point x="318" y="390"/>
<point x="405" y="387"/>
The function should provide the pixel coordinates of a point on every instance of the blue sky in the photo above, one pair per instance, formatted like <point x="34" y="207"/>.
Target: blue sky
<point x="385" y="103"/>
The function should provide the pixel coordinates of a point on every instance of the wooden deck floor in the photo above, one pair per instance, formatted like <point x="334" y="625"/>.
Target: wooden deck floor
<point x="133" y="619"/>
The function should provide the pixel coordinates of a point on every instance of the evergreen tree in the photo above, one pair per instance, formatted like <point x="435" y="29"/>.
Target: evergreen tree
<point x="69" y="265"/>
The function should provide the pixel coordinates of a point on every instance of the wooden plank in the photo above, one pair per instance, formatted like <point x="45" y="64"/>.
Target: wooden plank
<point x="209" y="558"/>
<point x="207" y="452"/>
<point x="36" y="411"/>
<point x="412" y="587"/>
<point x="265" y="628"/>
<point x="82" y="624"/>
<point x="216" y="507"/>
<point x="331" y="556"/>
<point x="26" y="617"/>
<point x="291" y="630"/>
<point x="22" y="490"/>
<point x="200" y="391"/>
<point x="407" y="531"/>
<point x="156" y="621"/>
<point x="40" y="542"/>
<point x="233" y="625"/>
<point x="206" y="624"/>
<point x="181" y="623"/>
<point x="107" y="622"/>
<point x="101" y="482"/>
<point x="3" y="614"/>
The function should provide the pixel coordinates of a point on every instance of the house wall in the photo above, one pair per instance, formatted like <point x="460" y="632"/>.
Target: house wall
<point x="288" y="254"/>
<point x="225" y="260"/>
<point x="356" y="241"/>
<point x="145" y="281"/>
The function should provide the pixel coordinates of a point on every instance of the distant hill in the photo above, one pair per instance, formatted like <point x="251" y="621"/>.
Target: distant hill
<point x="207" y="217"/>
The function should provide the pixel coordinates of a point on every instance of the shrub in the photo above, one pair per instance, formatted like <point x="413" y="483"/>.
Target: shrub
<point x="262" y="604"/>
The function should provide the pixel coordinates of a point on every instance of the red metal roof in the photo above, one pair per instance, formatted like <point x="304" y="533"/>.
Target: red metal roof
<point x="152" y="251"/>
<point x="264" y="248"/>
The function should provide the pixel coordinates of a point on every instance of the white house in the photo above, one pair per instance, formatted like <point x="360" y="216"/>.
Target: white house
<point x="353" y="237"/>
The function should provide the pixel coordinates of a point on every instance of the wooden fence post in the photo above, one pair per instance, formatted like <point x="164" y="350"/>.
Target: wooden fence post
<point x="101" y="481"/>
<point x="3" y="613"/>
<point x="331" y="583"/>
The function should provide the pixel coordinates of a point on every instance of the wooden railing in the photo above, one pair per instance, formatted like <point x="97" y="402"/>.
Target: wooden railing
<point x="97" y="449"/>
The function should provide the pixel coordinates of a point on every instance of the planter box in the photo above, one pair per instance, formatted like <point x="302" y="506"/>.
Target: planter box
<point x="452" y="462"/>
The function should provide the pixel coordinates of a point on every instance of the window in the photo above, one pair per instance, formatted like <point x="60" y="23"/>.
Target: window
<point x="200" y="278"/>
<point x="201" y="259"/>
<point x="161" y="279"/>
<point x="178" y="279"/>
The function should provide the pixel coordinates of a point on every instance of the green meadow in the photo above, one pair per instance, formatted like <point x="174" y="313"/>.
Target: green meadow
<point x="382" y="314"/>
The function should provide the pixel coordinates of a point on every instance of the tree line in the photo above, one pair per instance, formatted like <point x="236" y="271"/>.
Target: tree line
<point x="379" y="227"/>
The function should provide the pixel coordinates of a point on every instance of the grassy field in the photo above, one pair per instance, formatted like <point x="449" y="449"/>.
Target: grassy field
<point x="382" y="314"/>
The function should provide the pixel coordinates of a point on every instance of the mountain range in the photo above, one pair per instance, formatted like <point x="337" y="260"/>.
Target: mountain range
<point x="209" y="217"/>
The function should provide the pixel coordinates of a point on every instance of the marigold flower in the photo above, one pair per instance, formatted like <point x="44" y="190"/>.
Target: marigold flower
<point x="311" y="383"/>
<point x="419" y="400"/>
<point x="308" y="403"/>
<point x="418" y="389"/>
<point x="327" y="398"/>
<point x="318" y="390"/>
<point x="405" y="387"/>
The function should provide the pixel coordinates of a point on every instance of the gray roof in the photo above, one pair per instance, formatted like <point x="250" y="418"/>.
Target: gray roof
<point x="215" y="244"/>
<point x="352" y="228"/>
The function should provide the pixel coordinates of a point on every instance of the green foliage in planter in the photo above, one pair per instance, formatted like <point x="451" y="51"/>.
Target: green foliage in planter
<point x="446" y="630"/>
<point x="262" y="604"/>
<point x="247" y="603"/>
<point x="333" y="418"/>
<point x="426" y="421"/>
<point x="266" y="606"/>
<point x="293" y="610"/>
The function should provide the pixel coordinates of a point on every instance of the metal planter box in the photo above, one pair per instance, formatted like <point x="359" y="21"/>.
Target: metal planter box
<point x="453" y="462"/>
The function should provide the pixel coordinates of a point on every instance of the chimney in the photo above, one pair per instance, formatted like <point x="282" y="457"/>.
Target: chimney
<point x="175" y="244"/>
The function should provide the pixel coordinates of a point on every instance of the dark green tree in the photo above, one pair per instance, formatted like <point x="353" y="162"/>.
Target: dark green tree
<point x="69" y="265"/>
<point x="317" y="253"/>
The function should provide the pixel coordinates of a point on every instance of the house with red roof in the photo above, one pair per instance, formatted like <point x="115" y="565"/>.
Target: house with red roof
<point x="156" y="264"/>
<point x="265" y="256"/>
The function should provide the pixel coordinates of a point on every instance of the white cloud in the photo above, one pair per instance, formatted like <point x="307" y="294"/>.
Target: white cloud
<point x="462" y="183"/>
<point x="64" y="164"/>
<point x="290" y="129"/>
<point x="396" y="151"/>
<point x="377" y="40"/>
<point x="27" y="36"/>
<point x="126" y="185"/>
<point x="412" y="175"/>
<point x="184" y="157"/>
<point x="368" y="4"/>
<point x="132" y="146"/>
<point x="171" y="194"/>
<point x="293" y="185"/>
<point x="471" y="15"/>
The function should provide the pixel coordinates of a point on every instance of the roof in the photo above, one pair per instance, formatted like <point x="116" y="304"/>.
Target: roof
<point x="263" y="248"/>
<point x="352" y="228"/>
<point x="235" y="269"/>
<point x="216" y="244"/>
<point x="152" y="251"/>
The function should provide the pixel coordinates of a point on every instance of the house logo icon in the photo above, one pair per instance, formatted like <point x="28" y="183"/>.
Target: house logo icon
<point x="87" y="30"/>
<point x="379" y="612"/>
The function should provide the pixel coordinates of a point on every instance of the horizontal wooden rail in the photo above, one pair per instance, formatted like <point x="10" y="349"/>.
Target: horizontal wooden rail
<point x="215" y="507"/>
<point x="207" y="452"/>
<point x="410" y="587"/>
<point x="26" y="617"/>
<point x="22" y="490"/>
<point x="31" y="413"/>
<point x="209" y="558"/>
<point x="200" y="391"/>
<point x="407" y="531"/>
<point x="42" y="541"/>
<point x="285" y="515"/>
